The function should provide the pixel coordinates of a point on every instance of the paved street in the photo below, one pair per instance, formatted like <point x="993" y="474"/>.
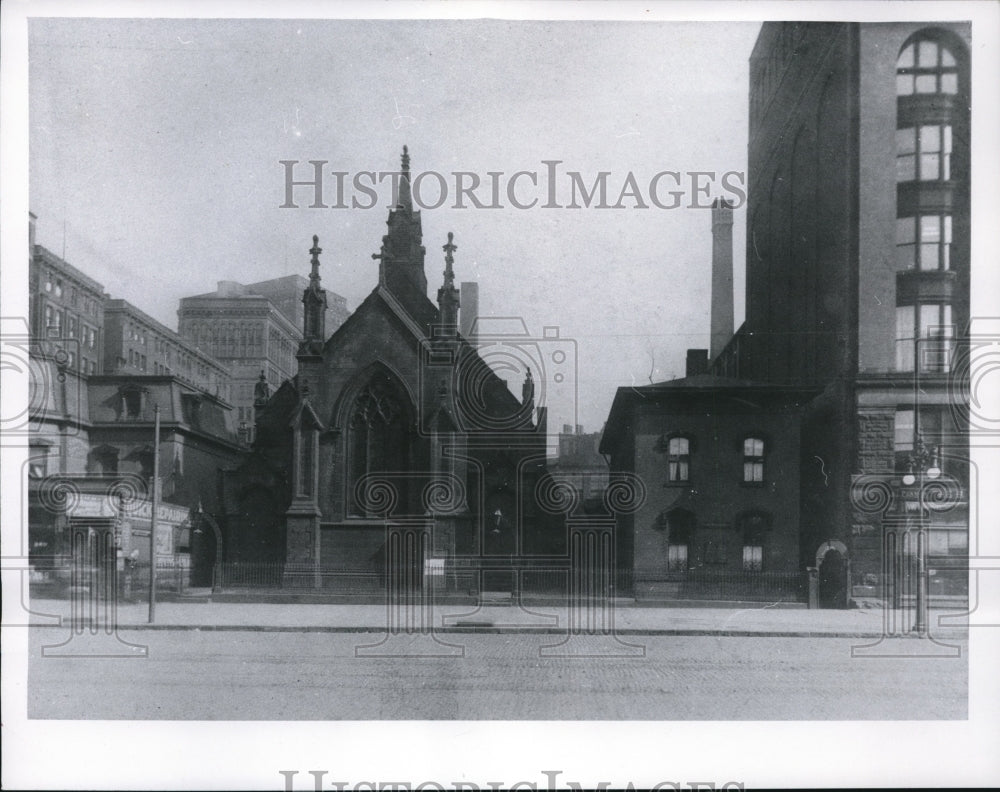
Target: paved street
<point x="233" y="675"/>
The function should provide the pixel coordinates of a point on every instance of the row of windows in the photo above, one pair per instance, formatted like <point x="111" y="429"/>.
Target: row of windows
<point x="227" y="340"/>
<point x="135" y="333"/>
<point x="136" y="360"/>
<point x="74" y="327"/>
<point x="679" y="460"/>
<point x="54" y="287"/>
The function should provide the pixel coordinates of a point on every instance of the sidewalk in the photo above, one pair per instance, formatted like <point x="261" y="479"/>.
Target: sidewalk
<point x="761" y="621"/>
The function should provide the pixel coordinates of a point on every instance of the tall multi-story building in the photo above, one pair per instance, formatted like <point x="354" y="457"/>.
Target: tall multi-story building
<point x="135" y="343"/>
<point x="100" y="368"/>
<point x="253" y="328"/>
<point x="858" y="272"/>
<point x="65" y="308"/>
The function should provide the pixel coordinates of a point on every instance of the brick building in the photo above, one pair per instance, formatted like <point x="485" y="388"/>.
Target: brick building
<point x="720" y="462"/>
<point x="66" y="307"/>
<point x="99" y="367"/>
<point x="136" y="344"/>
<point x="719" y="459"/>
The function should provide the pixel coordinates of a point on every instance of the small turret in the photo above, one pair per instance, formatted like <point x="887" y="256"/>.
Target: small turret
<point x="314" y="313"/>
<point x="528" y="392"/>
<point x="448" y="299"/>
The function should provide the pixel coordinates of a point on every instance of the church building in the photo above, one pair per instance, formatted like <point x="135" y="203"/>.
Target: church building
<point x="393" y="421"/>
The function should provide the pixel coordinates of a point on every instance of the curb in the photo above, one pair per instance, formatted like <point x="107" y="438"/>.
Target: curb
<point x="490" y="630"/>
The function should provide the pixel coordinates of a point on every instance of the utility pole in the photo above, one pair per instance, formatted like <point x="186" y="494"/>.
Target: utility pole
<point x="152" y="517"/>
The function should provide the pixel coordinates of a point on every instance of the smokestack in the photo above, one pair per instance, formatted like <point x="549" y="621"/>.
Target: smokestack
<point x="722" y="275"/>
<point x="468" y="298"/>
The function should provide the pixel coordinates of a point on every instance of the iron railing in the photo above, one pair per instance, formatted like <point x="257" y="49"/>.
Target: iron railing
<point x="724" y="584"/>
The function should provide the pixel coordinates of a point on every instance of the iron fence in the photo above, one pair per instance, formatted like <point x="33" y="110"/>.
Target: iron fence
<point x="724" y="584"/>
<point x="282" y="575"/>
<point x="248" y="574"/>
<point x="172" y="576"/>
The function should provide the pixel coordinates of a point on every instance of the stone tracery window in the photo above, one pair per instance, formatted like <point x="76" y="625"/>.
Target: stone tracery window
<point x="378" y="441"/>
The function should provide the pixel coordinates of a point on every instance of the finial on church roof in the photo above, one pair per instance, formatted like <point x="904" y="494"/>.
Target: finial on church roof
<point x="451" y="247"/>
<point x="315" y="251"/>
<point x="405" y="200"/>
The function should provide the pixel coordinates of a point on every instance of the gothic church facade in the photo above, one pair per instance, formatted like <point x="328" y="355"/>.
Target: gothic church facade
<point x="393" y="420"/>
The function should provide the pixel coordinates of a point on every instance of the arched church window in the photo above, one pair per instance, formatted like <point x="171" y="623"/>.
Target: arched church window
<point x="378" y="442"/>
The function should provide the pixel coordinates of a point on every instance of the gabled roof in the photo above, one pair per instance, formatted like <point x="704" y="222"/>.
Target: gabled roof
<point x="420" y="327"/>
<point x="304" y="412"/>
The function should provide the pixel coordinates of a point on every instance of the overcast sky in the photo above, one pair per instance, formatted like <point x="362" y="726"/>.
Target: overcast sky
<point x="155" y="149"/>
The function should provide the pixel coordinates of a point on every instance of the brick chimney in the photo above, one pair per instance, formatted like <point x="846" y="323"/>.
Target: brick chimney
<point x="722" y="276"/>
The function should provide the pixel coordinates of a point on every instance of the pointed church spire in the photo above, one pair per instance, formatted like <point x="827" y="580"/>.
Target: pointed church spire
<point x="401" y="258"/>
<point x="314" y="307"/>
<point x="528" y="391"/>
<point x="448" y="294"/>
<point x="405" y="197"/>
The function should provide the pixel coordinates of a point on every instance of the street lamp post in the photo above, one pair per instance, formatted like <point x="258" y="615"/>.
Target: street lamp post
<point x="154" y="505"/>
<point x="923" y="464"/>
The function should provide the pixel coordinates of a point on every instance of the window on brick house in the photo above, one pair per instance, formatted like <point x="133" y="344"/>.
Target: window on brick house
<point x="680" y="524"/>
<point x="753" y="460"/>
<point x="678" y="459"/>
<point x="753" y="527"/>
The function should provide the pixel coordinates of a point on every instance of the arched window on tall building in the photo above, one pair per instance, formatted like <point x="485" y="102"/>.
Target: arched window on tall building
<point x="926" y="66"/>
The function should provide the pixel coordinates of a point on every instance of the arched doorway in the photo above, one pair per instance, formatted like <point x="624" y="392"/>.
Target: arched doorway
<point x="206" y="548"/>
<point x="833" y="565"/>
